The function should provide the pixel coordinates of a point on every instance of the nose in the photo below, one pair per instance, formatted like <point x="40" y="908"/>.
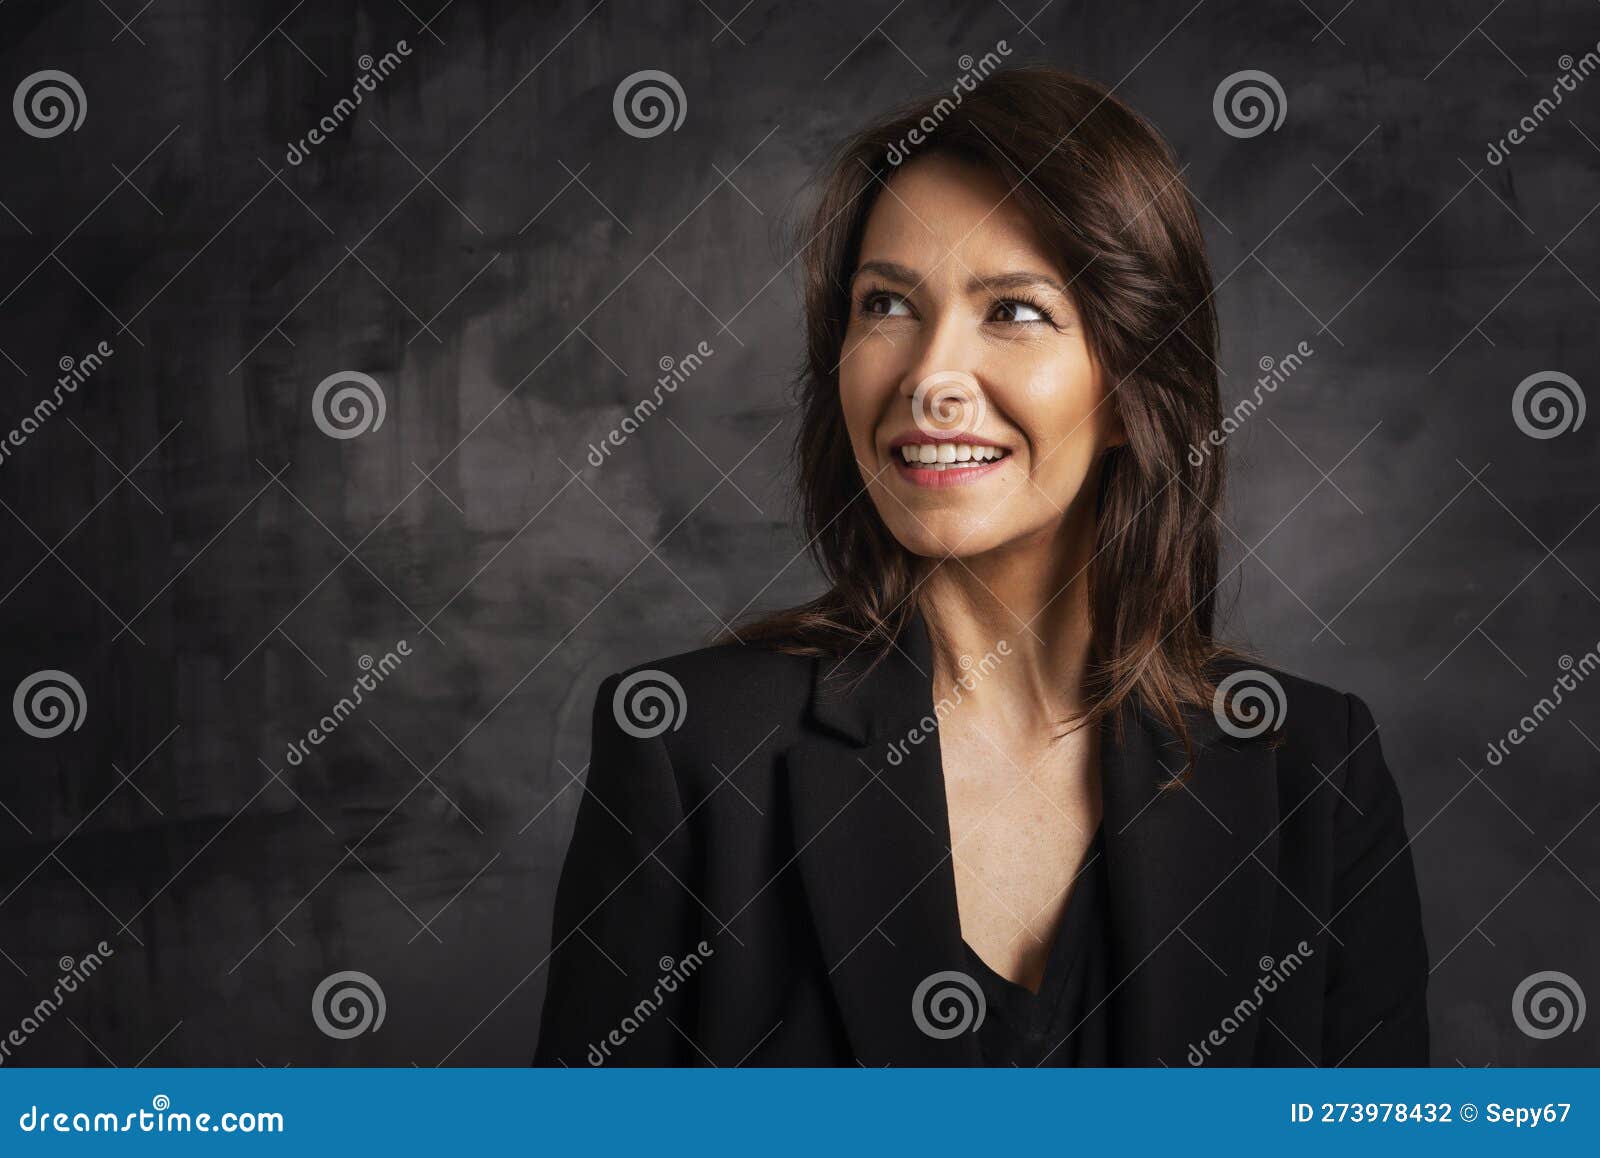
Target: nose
<point x="942" y="381"/>
<point x="944" y="347"/>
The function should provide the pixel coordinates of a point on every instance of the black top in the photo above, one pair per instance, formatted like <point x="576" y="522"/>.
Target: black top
<point x="1064" y="1024"/>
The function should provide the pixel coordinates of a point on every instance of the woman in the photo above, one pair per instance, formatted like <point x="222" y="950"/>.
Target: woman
<point x="997" y="796"/>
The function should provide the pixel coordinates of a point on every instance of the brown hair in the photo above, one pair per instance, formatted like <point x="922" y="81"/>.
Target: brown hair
<point x="1102" y="189"/>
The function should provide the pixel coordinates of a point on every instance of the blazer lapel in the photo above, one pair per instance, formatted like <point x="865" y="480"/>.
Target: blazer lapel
<point x="1190" y="903"/>
<point x="872" y="829"/>
<point x="1191" y="890"/>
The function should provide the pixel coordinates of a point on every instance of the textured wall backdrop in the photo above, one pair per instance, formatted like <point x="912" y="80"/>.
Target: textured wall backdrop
<point x="190" y="545"/>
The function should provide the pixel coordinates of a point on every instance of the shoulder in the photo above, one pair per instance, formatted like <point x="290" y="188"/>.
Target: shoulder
<point x="1309" y="721"/>
<point x="721" y="701"/>
<point x="725" y="675"/>
<point x="705" y="667"/>
<point x="1328" y="748"/>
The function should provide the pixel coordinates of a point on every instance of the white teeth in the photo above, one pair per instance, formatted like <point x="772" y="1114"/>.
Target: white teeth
<point x="940" y="455"/>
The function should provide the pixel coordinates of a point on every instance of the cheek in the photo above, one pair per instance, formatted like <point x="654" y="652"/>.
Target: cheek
<point x="1060" y="406"/>
<point x="867" y="378"/>
<point x="857" y="407"/>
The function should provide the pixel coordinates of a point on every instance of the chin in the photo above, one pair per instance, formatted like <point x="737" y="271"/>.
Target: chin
<point x="945" y="537"/>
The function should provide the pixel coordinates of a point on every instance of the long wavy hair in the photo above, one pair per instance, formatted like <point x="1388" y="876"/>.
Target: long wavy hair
<point x="1103" y="191"/>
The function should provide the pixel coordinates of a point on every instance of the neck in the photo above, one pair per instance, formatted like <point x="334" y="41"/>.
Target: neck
<point x="1034" y="596"/>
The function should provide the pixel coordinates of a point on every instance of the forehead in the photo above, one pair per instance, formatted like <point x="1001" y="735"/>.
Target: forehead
<point x="946" y="215"/>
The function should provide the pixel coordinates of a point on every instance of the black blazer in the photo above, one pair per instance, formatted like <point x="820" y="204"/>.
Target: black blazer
<point x="760" y="885"/>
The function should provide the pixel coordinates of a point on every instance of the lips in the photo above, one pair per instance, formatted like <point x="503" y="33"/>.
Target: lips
<point x="934" y="461"/>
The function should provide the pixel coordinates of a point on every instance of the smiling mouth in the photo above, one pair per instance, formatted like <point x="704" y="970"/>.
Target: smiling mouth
<point x="947" y="463"/>
<point x="950" y="455"/>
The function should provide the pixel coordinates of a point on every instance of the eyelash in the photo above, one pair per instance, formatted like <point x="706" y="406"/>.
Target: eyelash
<point x="1038" y="307"/>
<point x="871" y="296"/>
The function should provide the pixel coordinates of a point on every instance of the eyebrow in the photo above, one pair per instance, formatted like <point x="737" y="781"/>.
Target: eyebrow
<point x="1013" y="280"/>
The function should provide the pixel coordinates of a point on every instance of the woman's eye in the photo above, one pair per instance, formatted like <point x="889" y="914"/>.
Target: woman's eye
<point x="1017" y="311"/>
<point x="885" y="305"/>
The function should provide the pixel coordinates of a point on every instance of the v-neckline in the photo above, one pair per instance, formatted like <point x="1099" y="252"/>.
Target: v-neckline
<point x="1061" y="956"/>
<point x="870" y="825"/>
<point x="1096" y="848"/>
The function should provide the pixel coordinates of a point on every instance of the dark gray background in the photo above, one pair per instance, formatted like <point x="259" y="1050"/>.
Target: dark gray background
<point x="484" y="240"/>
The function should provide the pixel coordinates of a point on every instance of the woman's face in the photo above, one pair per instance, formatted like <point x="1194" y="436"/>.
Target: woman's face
<point x="973" y="405"/>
